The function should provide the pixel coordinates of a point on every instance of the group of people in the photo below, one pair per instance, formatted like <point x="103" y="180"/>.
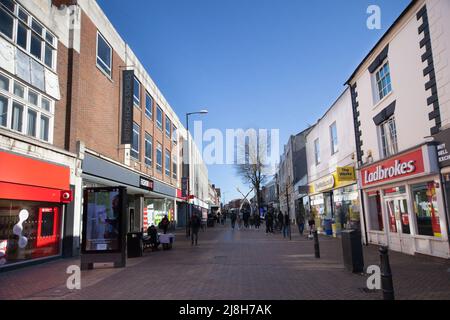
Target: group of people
<point x="152" y="232"/>
<point x="245" y="219"/>
<point x="280" y="222"/>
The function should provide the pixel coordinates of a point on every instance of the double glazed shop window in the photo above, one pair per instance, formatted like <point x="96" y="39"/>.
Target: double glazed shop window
<point x="24" y="110"/>
<point x="29" y="34"/>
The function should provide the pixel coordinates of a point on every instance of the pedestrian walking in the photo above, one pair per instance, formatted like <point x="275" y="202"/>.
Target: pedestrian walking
<point x="300" y="222"/>
<point x="164" y="224"/>
<point x="312" y="226"/>
<point x="286" y="226"/>
<point x="195" y="227"/>
<point x="269" y="220"/>
<point x="257" y="221"/>
<point x="280" y="219"/>
<point x="233" y="219"/>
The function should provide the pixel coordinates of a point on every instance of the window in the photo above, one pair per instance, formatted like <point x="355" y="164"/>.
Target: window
<point x="426" y="209"/>
<point x="334" y="138"/>
<point x="6" y="23"/>
<point x="9" y="4"/>
<point x="44" y="134"/>
<point x="148" y="149"/>
<point x="104" y="54"/>
<point x="159" y="117"/>
<point x="135" y="143"/>
<point x="3" y="111"/>
<point x="4" y="83"/>
<point x="388" y="135"/>
<point x="383" y="80"/>
<point x="17" y="117"/>
<point x="137" y="93"/>
<point x="36" y="47"/>
<point x="174" y="166"/>
<point x="159" y="158"/>
<point x="174" y="135"/>
<point x="317" y="151"/>
<point x="19" y="90"/>
<point x="167" y="163"/>
<point x="22" y="36"/>
<point x="148" y="106"/>
<point x="168" y="127"/>
<point x="30" y="112"/>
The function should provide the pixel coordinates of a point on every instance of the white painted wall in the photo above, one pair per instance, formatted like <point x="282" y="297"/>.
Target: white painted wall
<point x="341" y="113"/>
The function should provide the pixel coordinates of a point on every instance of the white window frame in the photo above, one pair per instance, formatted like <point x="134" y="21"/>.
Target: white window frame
<point x="159" y="124"/>
<point x="388" y="140"/>
<point x="378" y="89"/>
<point x="30" y="31"/>
<point x="317" y="151"/>
<point x="150" y="141"/>
<point x="148" y="96"/>
<point x="334" y="148"/>
<point x="109" y="75"/>
<point x="174" y="134"/>
<point x="40" y="112"/>
<point x="139" y="142"/>
<point x="159" y="165"/>
<point x="137" y="100"/>
<point x="168" y="134"/>
<point x="167" y="168"/>
<point x="174" y="166"/>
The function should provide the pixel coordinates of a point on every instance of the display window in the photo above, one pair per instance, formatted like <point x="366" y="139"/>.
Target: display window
<point x="155" y="210"/>
<point x="426" y="209"/>
<point x="374" y="211"/>
<point x="28" y="230"/>
<point x="346" y="208"/>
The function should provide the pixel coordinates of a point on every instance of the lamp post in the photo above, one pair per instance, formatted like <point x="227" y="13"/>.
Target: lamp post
<point x="189" y="213"/>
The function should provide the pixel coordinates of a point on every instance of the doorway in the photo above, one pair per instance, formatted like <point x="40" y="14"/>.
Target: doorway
<point x="399" y="228"/>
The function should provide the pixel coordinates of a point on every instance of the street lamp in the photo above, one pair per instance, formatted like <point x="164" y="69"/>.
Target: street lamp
<point x="189" y="213"/>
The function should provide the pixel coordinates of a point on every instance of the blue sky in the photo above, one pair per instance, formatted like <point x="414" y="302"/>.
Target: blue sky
<point x="252" y="63"/>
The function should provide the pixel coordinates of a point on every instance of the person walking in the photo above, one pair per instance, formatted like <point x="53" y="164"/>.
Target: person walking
<point x="312" y="226"/>
<point x="269" y="220"/>
<point x="280" y="219"/>
<point x="233" y="219"/>
<point x="286" y="226"/>
<point x="164" y="224"/>
<point x="195" y="227"/>
<point x="300" y="223"/>
<point x="257" y="221"/>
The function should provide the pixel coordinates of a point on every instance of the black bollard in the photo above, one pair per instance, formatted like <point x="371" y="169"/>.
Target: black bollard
<point x="316" y="244"/>
<point x="386" y="275"/>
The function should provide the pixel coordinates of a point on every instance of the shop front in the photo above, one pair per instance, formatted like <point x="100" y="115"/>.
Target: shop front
<point x="334" y="202"/>
<point x="404" y="203"/>
<point x="33" y="202"/>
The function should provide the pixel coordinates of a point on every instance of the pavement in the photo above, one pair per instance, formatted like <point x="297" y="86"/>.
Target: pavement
<point x="233" y="265"/>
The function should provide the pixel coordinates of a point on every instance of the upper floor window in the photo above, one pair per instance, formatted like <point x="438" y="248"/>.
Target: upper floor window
<point x="159" y="158"/>
<point x="168" y="127"/>
<point x="383" y="80"/>
<point x="159" y="116"/>
<point x="167" y="163"/>
<point x="317" y="151"/>
<point x="388" y="137"/>
<point x="30" y="35"/>
<point x="333" y="138"/>
<point x="174" y="135"/>
<point x="174" y="166"/>
<point x="137" y="92"/>
<point x="148" y="149"/>
<point x="104" y="55"/>
<point x="25" y="110"/>
<point x="136" y="141"/>
<point x="148" y="106"/>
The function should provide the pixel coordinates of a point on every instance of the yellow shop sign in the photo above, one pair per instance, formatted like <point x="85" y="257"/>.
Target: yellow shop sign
<point x="346" y="174"/>
<point x="323" y="184"/>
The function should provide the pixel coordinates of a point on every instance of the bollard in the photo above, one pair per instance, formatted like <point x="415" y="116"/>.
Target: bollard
<point x="386" y="275"/>
<point x="316" y="244"/>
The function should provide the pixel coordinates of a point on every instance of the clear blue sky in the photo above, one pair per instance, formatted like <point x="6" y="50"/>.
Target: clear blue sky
<point x="251" y="63"/>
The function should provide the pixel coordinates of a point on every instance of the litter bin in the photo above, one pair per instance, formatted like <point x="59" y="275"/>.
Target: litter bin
<point x="135" y="245"/>
<point x="352" y="250"/>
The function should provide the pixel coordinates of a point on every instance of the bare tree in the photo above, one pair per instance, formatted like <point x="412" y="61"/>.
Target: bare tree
<point x="254" y="163"/>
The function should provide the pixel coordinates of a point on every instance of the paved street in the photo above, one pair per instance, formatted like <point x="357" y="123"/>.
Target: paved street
<point x="245" y="264"/>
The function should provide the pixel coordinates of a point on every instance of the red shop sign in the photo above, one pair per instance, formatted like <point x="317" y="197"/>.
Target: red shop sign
<point x="405" y="165"/>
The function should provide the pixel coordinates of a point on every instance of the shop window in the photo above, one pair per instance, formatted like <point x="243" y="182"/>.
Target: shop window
<point x="346" y="208"/>
<point x="136" y="141"/>
<point x="40" y="225"/>
<point x="148" y="106"/>
<point x="374" y="211"/>
<point x="104" y="55"/>
<point x="426" y="209"/>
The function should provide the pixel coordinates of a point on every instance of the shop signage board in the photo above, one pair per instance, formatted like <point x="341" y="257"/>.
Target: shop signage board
<point x="146" y="184"/>
<point x="324" y="184"/>
<point x="104" y="226"/>
<point x="405" y="165"/>
<point x="346" y="174"/>
<point x="127" y="106"/>
<point x="443" y="148"/>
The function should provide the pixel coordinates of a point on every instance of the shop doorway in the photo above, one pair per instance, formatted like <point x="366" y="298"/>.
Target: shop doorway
<point x="399" y="223"/>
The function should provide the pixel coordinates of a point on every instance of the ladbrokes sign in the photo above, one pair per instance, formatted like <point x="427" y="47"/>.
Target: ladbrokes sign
<point x="399" y="167"/>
